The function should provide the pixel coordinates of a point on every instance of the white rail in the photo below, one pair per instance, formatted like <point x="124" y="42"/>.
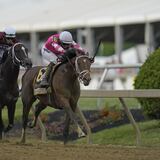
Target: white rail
<point x="140" y="93"/>
<point x="115" y="66"/>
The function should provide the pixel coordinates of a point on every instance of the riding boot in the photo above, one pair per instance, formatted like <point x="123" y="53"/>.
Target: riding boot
<point x="45" y="79"/>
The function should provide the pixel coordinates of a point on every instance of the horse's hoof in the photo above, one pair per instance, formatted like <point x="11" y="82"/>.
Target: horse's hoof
<point x="65" y="141"/>
<point x="20" y="143"/>
<point x="82" y="134"/>
<point x="30" y="125"/>
<point x="8" y="128"/>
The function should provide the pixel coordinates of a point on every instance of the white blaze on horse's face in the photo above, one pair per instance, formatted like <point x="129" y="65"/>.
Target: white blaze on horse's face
<point x="84" y="60"/>
<point x="83" y="68"/>
<point x="20" y="55"/>
<point x="24" y="50"/>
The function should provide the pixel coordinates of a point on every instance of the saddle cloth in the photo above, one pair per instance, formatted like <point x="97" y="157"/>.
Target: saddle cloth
<point x="38" y="79"/>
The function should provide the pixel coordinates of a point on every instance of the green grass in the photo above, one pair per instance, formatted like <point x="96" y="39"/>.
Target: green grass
<point x="125" y="135"/>
<point x="91" y="103"/>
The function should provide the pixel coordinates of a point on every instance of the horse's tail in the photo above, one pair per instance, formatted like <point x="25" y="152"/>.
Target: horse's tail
<point x="20" y="89"/>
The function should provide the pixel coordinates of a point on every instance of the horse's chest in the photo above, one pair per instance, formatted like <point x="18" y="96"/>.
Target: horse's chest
<point x="8" y="96"/>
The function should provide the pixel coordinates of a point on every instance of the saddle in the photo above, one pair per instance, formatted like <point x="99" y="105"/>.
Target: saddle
<point x="38" y="79"/>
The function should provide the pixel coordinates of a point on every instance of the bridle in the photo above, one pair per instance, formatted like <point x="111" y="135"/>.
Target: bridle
<point x="15" y="59"/>
<point x="81" y="74"/>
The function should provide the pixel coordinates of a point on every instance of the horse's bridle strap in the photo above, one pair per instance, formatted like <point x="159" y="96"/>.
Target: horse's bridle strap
<point x="81" y="73"/>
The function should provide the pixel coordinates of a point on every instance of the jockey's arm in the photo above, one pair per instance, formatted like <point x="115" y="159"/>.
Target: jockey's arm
<point x="57" y="49"/>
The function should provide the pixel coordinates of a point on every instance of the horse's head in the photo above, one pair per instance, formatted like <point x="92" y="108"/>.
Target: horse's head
<point x="19" y="55"/>
<point x="83" y="64"/>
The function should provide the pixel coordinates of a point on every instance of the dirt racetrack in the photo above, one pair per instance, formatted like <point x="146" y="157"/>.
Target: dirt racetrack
<point x="56" y="151"/>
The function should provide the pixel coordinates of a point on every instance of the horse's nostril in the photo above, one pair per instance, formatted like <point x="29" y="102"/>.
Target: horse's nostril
<point x="86" y="81"/>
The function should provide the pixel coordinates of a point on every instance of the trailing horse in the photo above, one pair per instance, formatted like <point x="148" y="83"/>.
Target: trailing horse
<point x="65" y="90"/>
<point x="9" y="92"/>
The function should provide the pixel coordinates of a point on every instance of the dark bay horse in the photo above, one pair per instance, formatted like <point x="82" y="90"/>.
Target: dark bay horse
<point x="65" y="88"/>
<point x="17" y="56"/>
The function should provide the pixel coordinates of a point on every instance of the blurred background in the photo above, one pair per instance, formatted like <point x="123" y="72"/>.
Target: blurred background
<point x="129" y="31"/>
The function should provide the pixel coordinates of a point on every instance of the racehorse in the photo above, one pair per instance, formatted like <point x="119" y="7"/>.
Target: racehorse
<point x="17" y="56"/>
<point x="65" y="90"/>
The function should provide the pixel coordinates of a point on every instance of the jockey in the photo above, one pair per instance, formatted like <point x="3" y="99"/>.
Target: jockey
<point x="7" y="39"/>
<point x="54" y="49"/>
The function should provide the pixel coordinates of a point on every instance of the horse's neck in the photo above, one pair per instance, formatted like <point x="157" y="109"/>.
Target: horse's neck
<point x="71" y="72"/>
<point x="10" y="70"/>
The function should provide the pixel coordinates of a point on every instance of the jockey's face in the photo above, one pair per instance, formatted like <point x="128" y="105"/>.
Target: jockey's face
<point x="9" y="40"/>
<point x="66" y="46"/>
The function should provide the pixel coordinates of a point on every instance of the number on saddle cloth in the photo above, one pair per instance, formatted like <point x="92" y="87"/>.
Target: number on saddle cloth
<point x="38" y="79"/>
<point x="40" y="75"/>
<point x="37" y="90"/>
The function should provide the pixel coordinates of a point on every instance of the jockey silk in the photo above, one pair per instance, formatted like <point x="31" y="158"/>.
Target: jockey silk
<point x="53" y="44"/>
<point x="3" y="40"/>
<point x="4" y="45"/>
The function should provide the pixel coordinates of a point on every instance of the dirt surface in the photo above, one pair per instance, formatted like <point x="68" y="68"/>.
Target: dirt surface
<point x="56" y="151"/>
<point x="34" y="149"/>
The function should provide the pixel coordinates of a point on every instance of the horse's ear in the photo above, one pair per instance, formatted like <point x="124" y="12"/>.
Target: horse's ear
<point x="87" y="53"/>
<point x="81" y="52"/>
<point x="91" y="59"/>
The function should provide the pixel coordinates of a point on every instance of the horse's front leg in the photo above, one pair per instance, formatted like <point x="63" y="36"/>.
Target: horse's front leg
<point x="84" y="121"/>
<point x="1" y="124"/>
<point x="67" y="124"/>
<point x="11" y="111"/>
<point x="72" y="117"/>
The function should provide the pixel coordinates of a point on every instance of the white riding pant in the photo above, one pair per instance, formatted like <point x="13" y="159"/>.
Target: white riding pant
<point x="48" y="56"/>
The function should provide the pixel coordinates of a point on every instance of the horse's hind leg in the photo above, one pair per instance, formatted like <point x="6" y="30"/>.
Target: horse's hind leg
<point x="1" y="124"/>
<point x="38" y="108"/>
<point x="26" y="109"/>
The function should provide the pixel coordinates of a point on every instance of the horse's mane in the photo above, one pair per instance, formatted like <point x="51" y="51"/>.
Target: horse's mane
<point x="5" y="56"/>
<point x="69" y="54"/>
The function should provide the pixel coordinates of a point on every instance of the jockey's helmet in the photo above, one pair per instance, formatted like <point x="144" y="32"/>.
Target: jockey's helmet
<point x="10" y="32"/>
<point x="66" y="37"/>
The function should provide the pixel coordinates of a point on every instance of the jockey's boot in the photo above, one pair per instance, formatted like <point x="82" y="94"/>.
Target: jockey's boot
<point x="45" y="79"/>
